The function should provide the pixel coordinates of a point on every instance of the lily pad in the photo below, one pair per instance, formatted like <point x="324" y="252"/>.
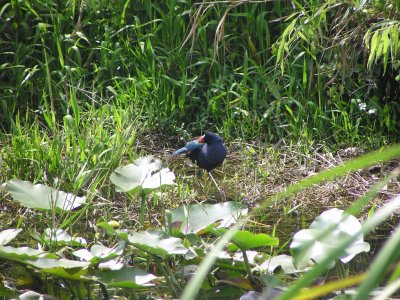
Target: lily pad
<point x="104" y="257"/>
<point x="12" y="253"/>
<point x="145" y="172"/>
<point x="125" y="278"/>
<point x="331" y="226"/>
<point x="154" y="242"/>
<point x="8" y="235"/>
<point x="246" y="240"/>
<point x="195" y="218"/>
<point x="40" y="196"/>
<point x="285" y="262"/>
<point x="48" y="263"/>
<point x="61" y="237"/>
<point x="31" y="295"/>
<point x="64" y="268"/>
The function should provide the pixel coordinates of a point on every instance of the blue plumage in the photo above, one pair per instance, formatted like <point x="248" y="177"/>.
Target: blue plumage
<point x="208" y="151"/>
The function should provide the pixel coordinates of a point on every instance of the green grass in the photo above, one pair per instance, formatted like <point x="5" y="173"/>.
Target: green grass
<point x="266" y="81"/>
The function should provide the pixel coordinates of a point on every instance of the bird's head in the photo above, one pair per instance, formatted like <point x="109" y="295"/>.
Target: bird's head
<point x="209" y="137"/>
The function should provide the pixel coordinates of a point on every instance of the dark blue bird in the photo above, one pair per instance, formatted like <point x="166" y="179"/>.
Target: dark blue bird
<point x="208" y="152"/>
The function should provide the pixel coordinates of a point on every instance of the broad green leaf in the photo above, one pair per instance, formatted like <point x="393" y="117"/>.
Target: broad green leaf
<point x="106" y="253"/>
<point x="285" y="262"/>
<point x="41" y="196"/>
<point x="8" y="235"/>
<point x="145" y="172"/>
<point x="48" y="263"/>
<point x="64" y="268"/>
<point x="12" y="253"/>
<point x="194" y="218"/>
<point x="313" y="243"/>
<point x="246" y="240"/>
<point x="154" y="242"/>
<point x="31" y="295"/>
<point x="111" y="264"/>
<point x="125" y="278"/>
<point x="84" y="254"/>
<point x="61" y="237"/>
<point x="381" y="215"/>
<point x="102" y="256"/>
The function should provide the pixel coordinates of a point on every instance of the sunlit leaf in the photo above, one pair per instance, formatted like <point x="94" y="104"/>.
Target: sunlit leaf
<point x="154" y="242"/>
<point x="126" y="278"/>
<point x="314" y="243"/>
<point x="194" y="218"/>
<point x="41" y="196"/>
<point x="246" y="240"/>
<point x="12" y="253"/>
<point x="8" y="235"/>
<point x="83" y="254"/>
<point x="64" y="268"/>
<point x="47" y="263"/>
<point x="103" y="256"/>
<point x="283" y="261"/>
<point x="31" y="295"/>
<point x="145" y="172"/>
<point x="61" y="237"/>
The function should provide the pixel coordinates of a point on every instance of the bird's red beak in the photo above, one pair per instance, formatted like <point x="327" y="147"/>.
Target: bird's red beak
<point x="201" y="139"/>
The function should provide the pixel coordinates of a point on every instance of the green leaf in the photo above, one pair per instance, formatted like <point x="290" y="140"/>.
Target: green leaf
<point x="146" y="173"/>
<point x="62" y="238"/>
<point x="8" y="235"/>
<point x="285" y="262"/>
<point x="381" y="215"/>
<point x="103" y="256"/>
<point x="331" y="226"/>
<point x="109" y="228"/>
<point x="64" y="268"/>
<point x="11" y="253"/>
<point x="31" y="295"/>
<point x="154" y="242"/>
<point x="194" y="218"/>
<point x="246" y="240"/>
<point x="125" y="278"/>
<point x="41" y="196"/>
<point x="48" y="263"/>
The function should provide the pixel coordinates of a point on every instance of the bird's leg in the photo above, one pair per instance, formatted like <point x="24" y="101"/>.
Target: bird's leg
<point x="219" y="190"/>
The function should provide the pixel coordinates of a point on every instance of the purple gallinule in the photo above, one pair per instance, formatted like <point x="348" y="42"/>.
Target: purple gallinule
<point x="208" y="152"/>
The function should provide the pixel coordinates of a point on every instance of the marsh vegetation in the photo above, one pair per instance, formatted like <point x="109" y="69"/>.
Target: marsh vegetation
<point x="95" y="96"/>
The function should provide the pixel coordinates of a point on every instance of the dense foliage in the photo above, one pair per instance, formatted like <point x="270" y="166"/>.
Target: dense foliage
<point x="301" y="70"/>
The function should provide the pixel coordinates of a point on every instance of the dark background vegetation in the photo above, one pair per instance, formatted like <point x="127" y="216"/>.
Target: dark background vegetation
<point x="270" y="70"/>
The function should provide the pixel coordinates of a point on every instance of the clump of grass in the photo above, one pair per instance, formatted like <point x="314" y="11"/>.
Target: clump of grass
<point x="189" y="65"/>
